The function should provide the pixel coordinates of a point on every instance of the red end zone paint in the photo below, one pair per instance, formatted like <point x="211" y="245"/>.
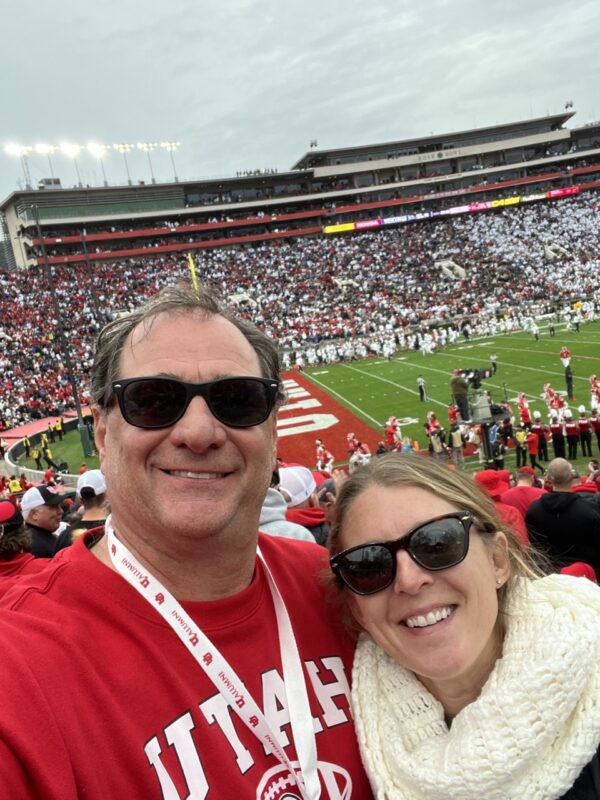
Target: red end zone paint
<point x="309" y="414"/>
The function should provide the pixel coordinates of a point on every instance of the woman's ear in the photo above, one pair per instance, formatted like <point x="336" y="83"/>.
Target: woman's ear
<point x="500" y="558"/>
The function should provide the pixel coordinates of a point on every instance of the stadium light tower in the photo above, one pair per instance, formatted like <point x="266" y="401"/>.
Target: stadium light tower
<point x="46" y="150"/>
<point x="124" y="148"/>
<point x="170" y="147"/>
<point x="21" y="151"/>
<point x="72" y="151"/>
<point x="148" y="147"/>
<point x="98" y="151"/>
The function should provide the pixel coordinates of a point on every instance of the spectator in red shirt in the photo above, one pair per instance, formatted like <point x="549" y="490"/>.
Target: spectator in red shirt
<point x="494" y="483"/>
<point x="533" y="448"/>
<point x="525" y="492"/>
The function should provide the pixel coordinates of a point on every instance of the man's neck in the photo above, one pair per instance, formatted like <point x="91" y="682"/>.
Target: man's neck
<point x="214" y="575"/>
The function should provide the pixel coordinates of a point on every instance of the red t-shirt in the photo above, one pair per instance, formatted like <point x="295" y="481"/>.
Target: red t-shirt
<point x="101" y="700"/>
<point x="521" y="497"/>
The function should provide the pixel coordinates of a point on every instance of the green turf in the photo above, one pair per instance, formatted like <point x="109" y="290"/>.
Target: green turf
<point x="69" y="450"/>
<point x="374" y="388"/>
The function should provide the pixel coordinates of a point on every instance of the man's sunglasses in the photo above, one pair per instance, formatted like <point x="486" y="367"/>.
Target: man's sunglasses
<point x="437" y="544"/>
<point x="238" y="402"/>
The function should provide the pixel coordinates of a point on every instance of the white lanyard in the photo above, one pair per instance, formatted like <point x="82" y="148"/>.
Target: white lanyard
<point x="222" y="674"/>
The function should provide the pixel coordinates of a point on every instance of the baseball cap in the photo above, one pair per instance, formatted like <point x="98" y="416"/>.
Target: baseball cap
<point x="494" y="482"/>
<point x="297" y="483"/>
<point x="526" y="471"/>
<point x="94" y="480"/>
<point x="10" y="517"/>
<point x="40" y="496"/>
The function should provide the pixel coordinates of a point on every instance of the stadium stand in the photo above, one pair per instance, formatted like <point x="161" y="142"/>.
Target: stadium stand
<point x="323" y="298"/>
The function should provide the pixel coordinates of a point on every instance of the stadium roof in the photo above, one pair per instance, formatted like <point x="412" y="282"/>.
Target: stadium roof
<point x="314" y="158"/>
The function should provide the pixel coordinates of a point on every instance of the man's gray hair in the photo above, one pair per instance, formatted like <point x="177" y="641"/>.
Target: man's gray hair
<point x="180" y="299"/>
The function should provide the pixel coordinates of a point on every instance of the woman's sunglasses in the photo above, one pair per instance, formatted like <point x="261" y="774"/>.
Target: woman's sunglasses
<point x="440" y="543"/>
<point x="238" y="402"/>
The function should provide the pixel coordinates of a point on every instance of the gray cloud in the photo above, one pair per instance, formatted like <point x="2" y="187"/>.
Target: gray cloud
<point x="248" y="83"/>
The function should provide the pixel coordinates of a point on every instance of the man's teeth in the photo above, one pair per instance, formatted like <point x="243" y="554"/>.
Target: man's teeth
<point x="200" y="476"/>
<point x="429" y="619"/>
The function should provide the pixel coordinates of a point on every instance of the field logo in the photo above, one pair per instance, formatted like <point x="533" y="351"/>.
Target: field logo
<point x="299" y="399"/>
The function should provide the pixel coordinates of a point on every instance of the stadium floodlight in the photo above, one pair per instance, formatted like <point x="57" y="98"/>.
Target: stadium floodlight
<point x="124" y="148"/>
<point x="148" y="147"/>
<point x="170" y="147"/>
<point x="46" y="150"/>
<point x="21" y="151"/>
<point x="71" y="150"/>
<point x="98" y="151"/>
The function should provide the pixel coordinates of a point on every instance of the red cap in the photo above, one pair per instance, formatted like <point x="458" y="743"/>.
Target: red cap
<point x="526" y="471"/>
<point x="579" y="569"/>
<point x="494" y="482"/>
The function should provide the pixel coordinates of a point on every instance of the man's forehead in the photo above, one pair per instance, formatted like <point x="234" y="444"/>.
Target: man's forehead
<point x="172" y="328"/>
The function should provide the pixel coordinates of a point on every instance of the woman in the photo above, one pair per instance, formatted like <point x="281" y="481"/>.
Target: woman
<point x="474" y="678"/>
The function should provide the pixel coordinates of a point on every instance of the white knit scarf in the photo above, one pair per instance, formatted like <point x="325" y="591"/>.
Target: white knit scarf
<point x="528" y="735"/>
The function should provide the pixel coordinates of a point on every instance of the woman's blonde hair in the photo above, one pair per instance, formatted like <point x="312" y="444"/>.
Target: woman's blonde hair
<point x="394" y="469"/>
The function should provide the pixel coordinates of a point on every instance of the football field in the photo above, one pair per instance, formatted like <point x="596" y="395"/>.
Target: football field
<point x="374" y="389"/>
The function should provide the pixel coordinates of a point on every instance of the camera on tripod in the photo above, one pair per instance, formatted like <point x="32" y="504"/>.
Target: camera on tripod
<point x="475" y="375"/>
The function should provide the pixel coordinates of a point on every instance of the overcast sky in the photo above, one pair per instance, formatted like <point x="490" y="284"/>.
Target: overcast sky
<point x="244" y="84"/>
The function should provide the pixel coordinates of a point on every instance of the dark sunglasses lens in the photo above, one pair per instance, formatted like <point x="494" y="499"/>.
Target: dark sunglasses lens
<point x="240" y="402"/>
<point x="154" y="403"/>
<point x="439" y="545"/>
<point x="368" y="569"/>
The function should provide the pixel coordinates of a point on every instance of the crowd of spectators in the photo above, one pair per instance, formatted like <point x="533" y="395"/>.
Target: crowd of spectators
<point x="328" y="297"/>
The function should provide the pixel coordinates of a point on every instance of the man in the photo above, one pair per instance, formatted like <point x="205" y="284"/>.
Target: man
<point x="422" y="389"/>
<point x="457" y="442"/>
<point x="521" y="446"/>
<point x="182" y="664"/>
<point x="460" y="389"/>
<point x="557" y="432"/>
<point x="42" y="512"/>
<point x="572" y="434"/>
<point x="562" y="523"/>
<point x="36" y="455"/>
<point x="533" y="445"/>
<point x="540" y="431"/>
<point x="47" y="453"/>
<point x="585" y="433"/>
<point x="522" y="495"/>
<point x="495" y="482"/>
<point x="91" y="489"/>
<point x="299" y="489"/>
<point x="273" y="516"/>
<point x="569" y="382"/>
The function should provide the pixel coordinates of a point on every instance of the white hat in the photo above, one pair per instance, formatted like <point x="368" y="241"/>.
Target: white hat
<point x="581" y="409"/>
<point x="39" y="496"/>
<point x="537" y="415"/>
<point x="92" y="479"/>
<point x="297" y="484"/>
